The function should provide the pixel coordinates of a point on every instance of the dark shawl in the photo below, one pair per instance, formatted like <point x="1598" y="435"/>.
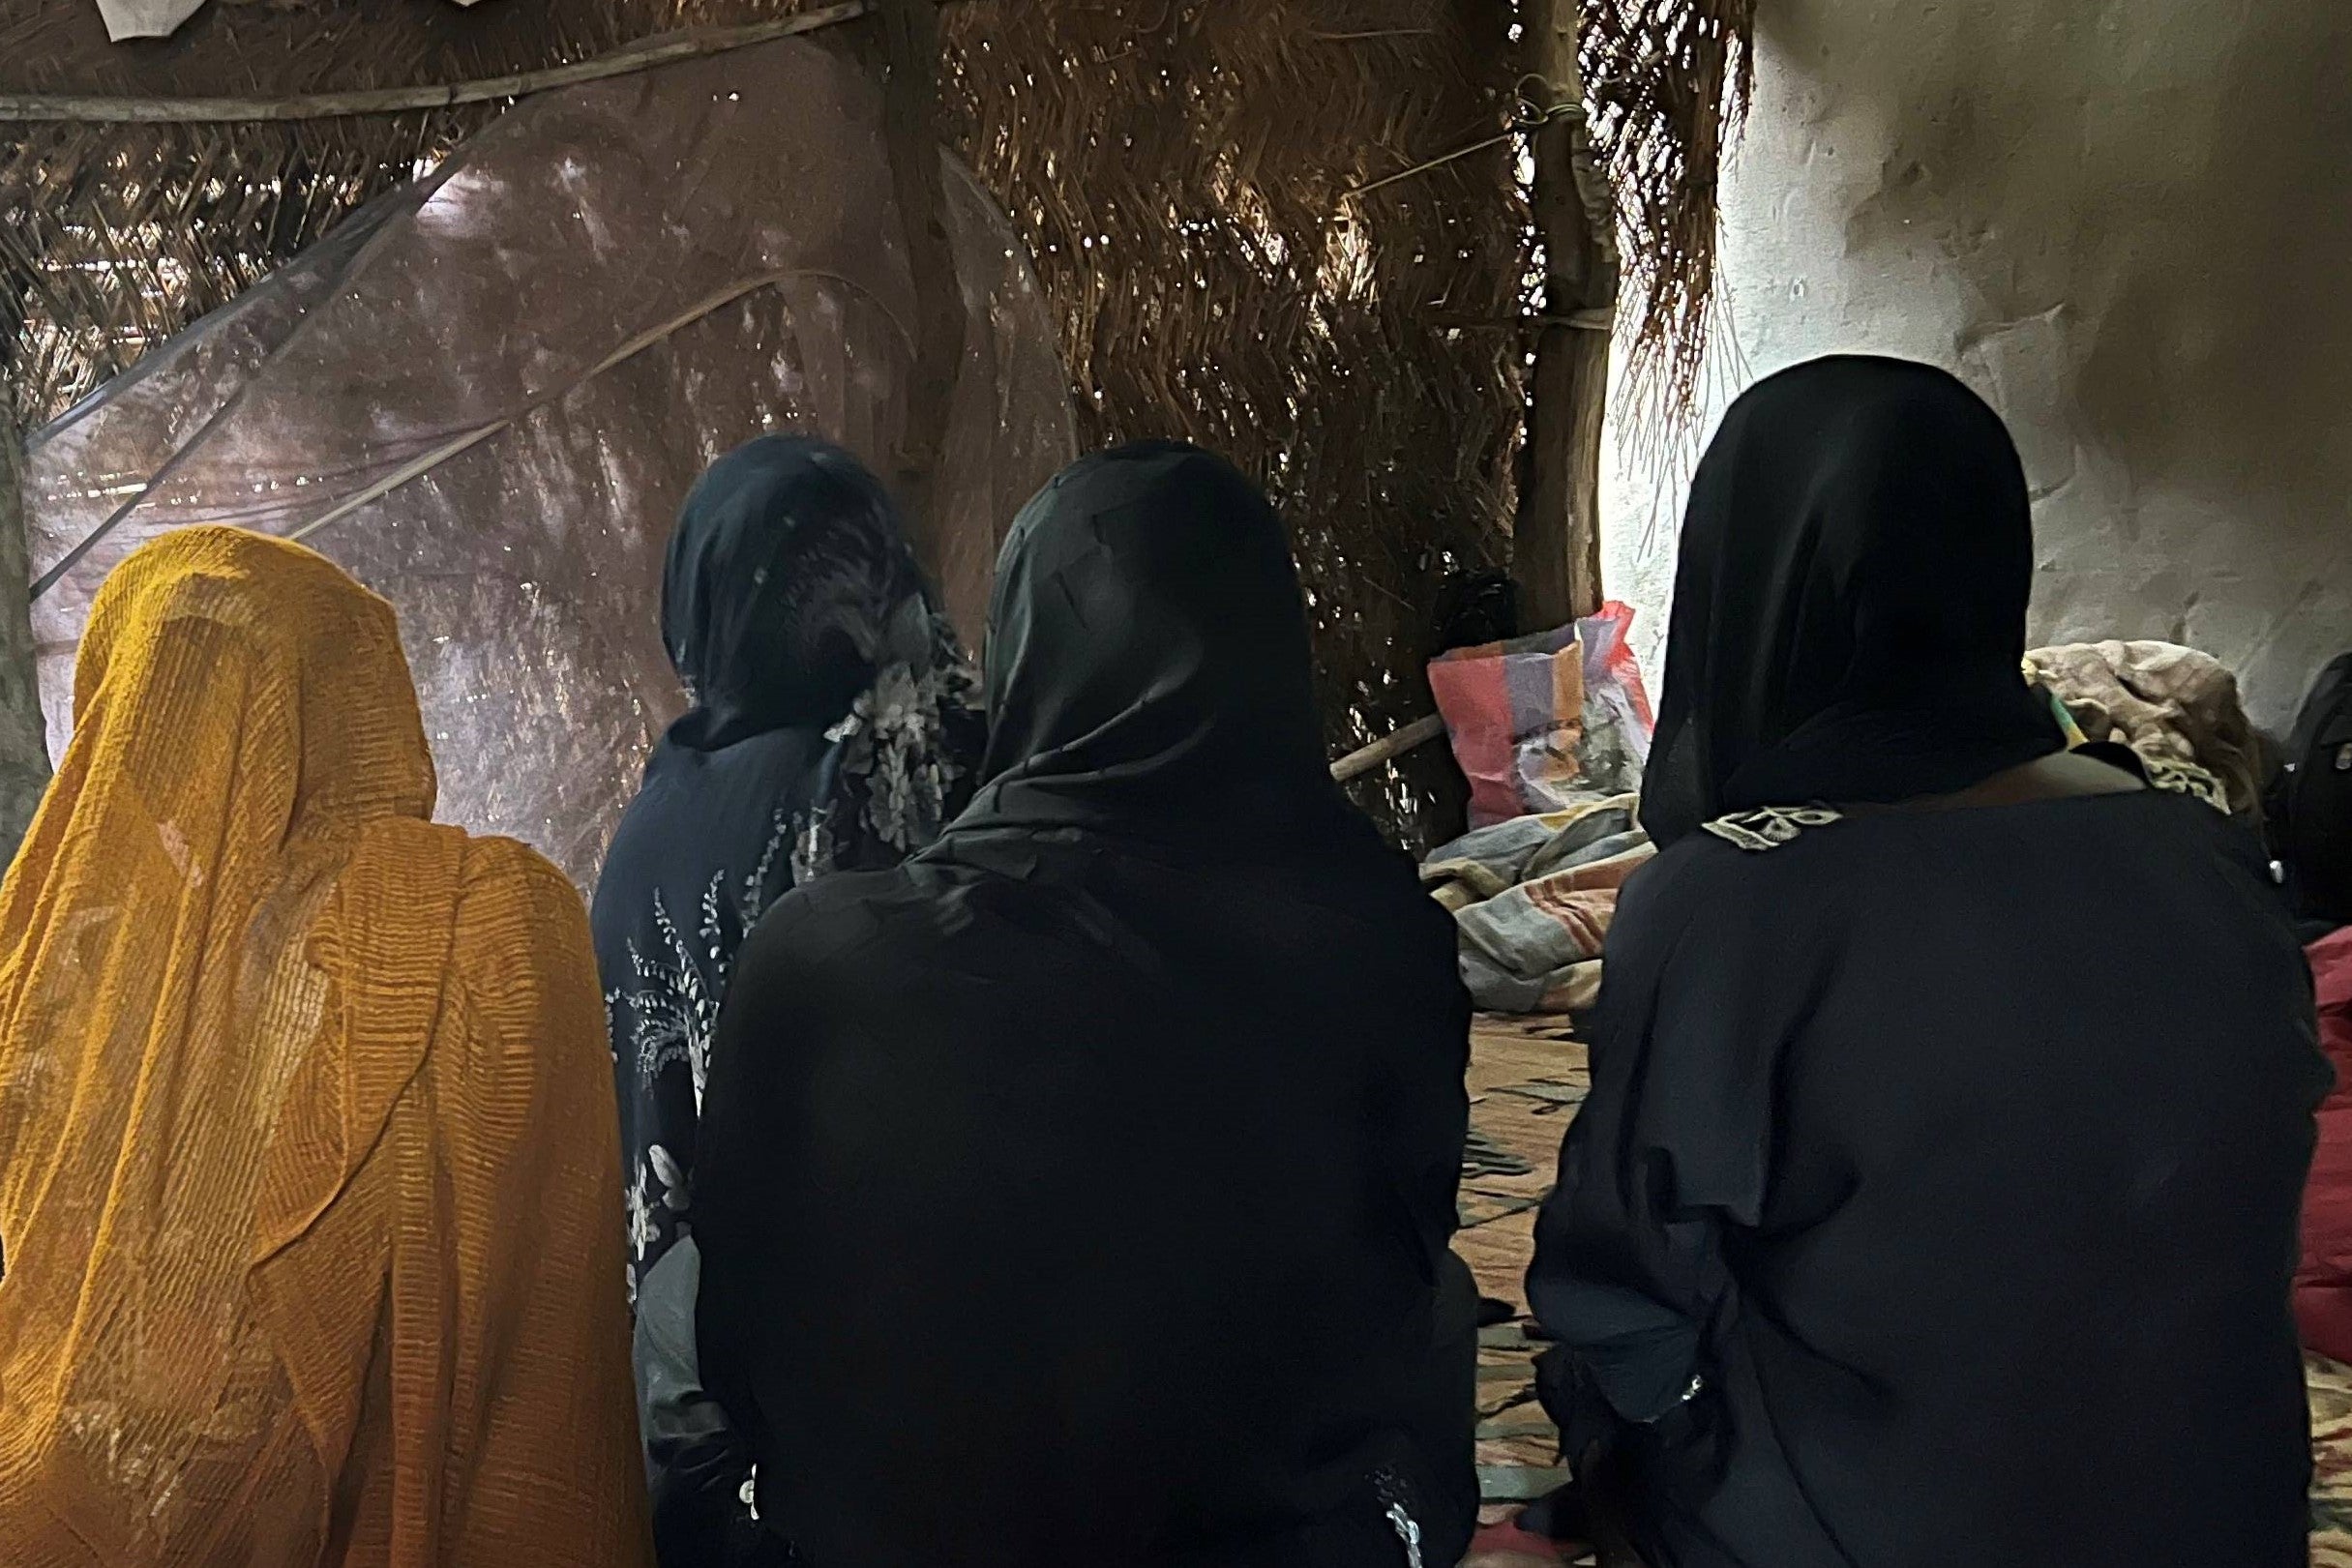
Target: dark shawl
<point x="1934" y="1203"/>
<point x="830" y="726"/>
<point x="1081" y="1191"/>
<point x="1849" y="614"/>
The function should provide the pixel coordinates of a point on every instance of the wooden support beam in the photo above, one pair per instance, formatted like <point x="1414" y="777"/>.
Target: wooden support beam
<point x="1556" y="545"/>
<point x="911" y="35"/>
<point x="24" y="749"/>
<point x="646" y="54"/>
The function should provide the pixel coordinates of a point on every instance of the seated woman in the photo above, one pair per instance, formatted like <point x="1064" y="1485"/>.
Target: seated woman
<point x="832" y="724"/>
<point x="1081" y="1191"/>
<point x="1935" y="1202"/>
<point x="306" y="1161"/>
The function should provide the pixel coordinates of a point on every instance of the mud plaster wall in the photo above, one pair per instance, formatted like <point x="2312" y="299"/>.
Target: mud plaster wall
<point x="2127" y="222"/>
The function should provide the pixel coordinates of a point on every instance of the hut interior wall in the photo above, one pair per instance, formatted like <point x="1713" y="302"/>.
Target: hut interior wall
<point x="2127" y="226"/>
<point x="1185" y="173"/>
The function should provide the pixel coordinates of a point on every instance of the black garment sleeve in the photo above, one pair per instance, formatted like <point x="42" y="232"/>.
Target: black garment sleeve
<point x="735" y="1186"/>
<point x="697" y="1468"/>
<point x="1670" y="1153"/>
<point x="1420" y="1112"/>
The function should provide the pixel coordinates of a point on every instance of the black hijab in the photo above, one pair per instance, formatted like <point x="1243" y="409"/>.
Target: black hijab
<point x="1849" y="614"/>
<point x="789" y="586"/>
<point x="1098" y="1165"/>
<point x="1150" y="673"/>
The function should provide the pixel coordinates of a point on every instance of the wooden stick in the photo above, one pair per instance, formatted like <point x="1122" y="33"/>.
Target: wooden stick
<point x="1364" y="759"/>
<point x="643" y="55"/>
<point x="24" y="743"/>
<point x="1556" y="543"/>
<point x="910" y="97"/>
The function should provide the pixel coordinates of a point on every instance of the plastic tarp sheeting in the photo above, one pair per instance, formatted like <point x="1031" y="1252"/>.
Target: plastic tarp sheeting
<point x="485" y="395"/>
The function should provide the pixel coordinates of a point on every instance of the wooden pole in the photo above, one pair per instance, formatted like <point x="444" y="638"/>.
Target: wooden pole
<point x="1388" y="747"/>
<point x="24" y="749"/>
<point x="643" y="55"/>
<point x="910" y="93"/>
<point x="1556" y="547"/>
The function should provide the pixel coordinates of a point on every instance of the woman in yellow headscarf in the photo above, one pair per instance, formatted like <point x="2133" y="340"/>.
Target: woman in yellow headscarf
<point x="306" y="1161"/>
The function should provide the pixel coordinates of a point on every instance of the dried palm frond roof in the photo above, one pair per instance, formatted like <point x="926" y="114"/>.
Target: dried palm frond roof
<point x="115" y="238"/>
<point x="1664" y="81"/>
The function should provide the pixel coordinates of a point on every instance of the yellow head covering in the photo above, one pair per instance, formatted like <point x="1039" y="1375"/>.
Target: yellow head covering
<point x="255" y="1110"/>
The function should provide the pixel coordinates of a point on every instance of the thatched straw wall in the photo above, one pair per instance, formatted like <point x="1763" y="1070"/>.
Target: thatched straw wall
<point x="1183" y="170"/>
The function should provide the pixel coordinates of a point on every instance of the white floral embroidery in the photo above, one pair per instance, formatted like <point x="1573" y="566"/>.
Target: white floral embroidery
<point x="896" y="747"/>
<point x="673" y="1180"/>
<point x="1771" y="827"/>
<point x="814" y="853"/>
<point x="673" y="1009"/>
<point x="2179" y="778"/>
<point x="642" y="1230"/>
<point x="670" y="1017"/>
<point x="1391" y="1494"/>
<point x="660" y="1192"/>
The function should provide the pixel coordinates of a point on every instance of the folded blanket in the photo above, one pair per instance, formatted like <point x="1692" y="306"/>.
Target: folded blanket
<point x="1487" y="861"/>
<point x="1533" y="899"/>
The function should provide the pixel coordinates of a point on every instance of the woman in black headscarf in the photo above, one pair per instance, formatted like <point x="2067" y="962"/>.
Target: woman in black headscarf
<point x="832" y="725"/>
<point x="1935" y="1200"/>
<point x="1081" y="1191"/>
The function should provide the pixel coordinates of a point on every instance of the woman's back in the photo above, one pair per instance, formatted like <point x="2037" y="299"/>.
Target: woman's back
<point x="1935" y="1200"/>
<point x="829" y="728"/>
<point x="1098" y="1165"/>
<point x="304" y="1170"/>
<point x="1184" y="1267"/>
<point x="2031" y="1089"/>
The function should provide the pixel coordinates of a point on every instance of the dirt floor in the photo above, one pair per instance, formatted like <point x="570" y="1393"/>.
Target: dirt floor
<point x="1527" y="1077"/>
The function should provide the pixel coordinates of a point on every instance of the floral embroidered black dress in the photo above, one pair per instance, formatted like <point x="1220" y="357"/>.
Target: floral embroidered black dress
<point x="833" y="726"/>
<point x="715" y="836"/>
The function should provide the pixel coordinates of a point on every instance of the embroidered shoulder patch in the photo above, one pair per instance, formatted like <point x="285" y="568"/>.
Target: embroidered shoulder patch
<point x="2186" y="778"/>
<point x="1771" y="827"/>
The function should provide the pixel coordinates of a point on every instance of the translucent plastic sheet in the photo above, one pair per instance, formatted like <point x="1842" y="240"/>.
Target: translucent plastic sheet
<point x="487" y="394"/>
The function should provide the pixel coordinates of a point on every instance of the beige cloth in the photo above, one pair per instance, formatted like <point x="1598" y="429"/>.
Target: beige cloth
<point x="145" y="18"/>
<point x="2166" y="703"/>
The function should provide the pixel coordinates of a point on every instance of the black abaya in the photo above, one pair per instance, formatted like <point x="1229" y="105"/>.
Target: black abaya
<point x="1935" y="1202"/>
<point x="1081" y="1191"/>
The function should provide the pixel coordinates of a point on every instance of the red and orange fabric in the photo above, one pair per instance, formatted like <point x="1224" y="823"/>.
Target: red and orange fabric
<point x="2323" y="1285"/>
<point x="306" y="1160"/>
